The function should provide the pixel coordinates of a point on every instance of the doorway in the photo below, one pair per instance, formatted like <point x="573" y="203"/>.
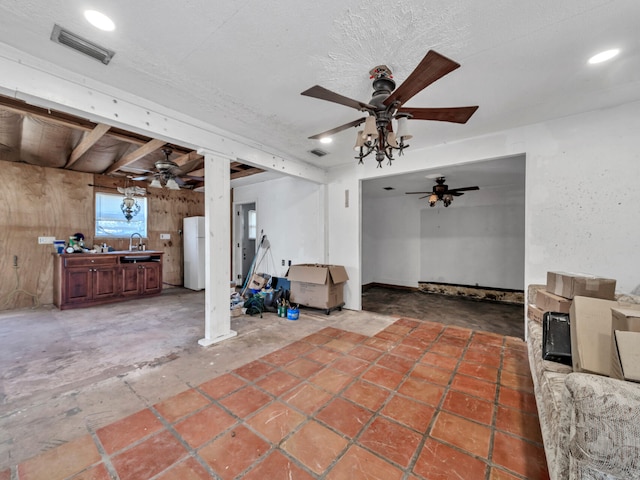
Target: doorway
<point x="245" y="232"/>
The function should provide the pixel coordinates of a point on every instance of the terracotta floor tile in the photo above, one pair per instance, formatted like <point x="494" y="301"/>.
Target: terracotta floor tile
<point x="365" y="353"/>
<point x="516" y="382"/>
<point x="469" y="407"/>
<point x="99" y="472"/>
<point x="486" y="338"/>
<point x="407" y="322"/>
<point x="280" y="357"/>
<point x="408" y="351"/>
<point x="396" y="363"/>
<point x="351" y="365"/>
<point x="519" y="456"/>
<point x="390" y="440"/>
<point x="415" y="342"/>
<point x="447" y="350"/>
<point x="390" y="336"/>
<point x="254" y="370"/>
<point x="431" y="374"/>
<point x="517" y="343"/>
<point x="382" y="344"/>
<point x="332" y="332"/>
<point x="130" y="429"/>
<point x="307" y="397"/>
<point x="339" y="344"/>
<point x="482" y="356"/>
<point x="5" y="474"/>
<point x="452" y="341"/>
<point x="278" y="382"/>
<point x="427" y="335"/>
<point x="298" y="348"/>
<point x="315" y="446"/>
<point x="61" y="462"/>
<point x="474" y="386"/>
<point x="303" y="367"/>
<point x="457" y="332"/>
<point x="524" y="401"/>
<point x="234" y="452"/>
<point x="446" y="363"/>
<point x="222" y="386"/>
<point x="331" y="380"/>
<point x="277" y="467"/>
<point x="181" y="405"/>
<point x="476" y="370"/>
<point x="497" y="474"/>
<point x="422" y="391"/>
<point x="353" y="337"/>
<point x="384" y="377"/>
<point x="276" y="421"/>
<point x="464" y="434"/>
<point x="409" y="412"/>
<point x="344" y="416"/>
<point x="317" y="339"/>
<point x="516" y="361"/>
<point x="366" y="394"/>
<point x="149" y="457"/>
<point x="519" y="423"/>
<point x="246" y="401"/>
<point x="190" y="469"/>
<point x="358" y="463"/>
<point x="323" y="355"/>
<point x="441" y="462"/>
<point x="197" y="429"/>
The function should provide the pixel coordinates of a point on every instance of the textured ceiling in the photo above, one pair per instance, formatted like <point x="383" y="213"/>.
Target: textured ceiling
<point x="242" y="65"/>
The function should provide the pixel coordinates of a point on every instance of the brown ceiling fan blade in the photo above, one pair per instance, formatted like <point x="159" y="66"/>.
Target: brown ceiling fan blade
<point x="456" y="194"/>
<point x="355" y="123"/>
<point x="323" y="94"/>
<point x="463" y="189"/>
<point x="446" y="114"/>
<point x="432" y="67"/>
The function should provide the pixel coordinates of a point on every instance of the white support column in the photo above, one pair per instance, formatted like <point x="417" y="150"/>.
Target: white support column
<point x="217" y="193"/>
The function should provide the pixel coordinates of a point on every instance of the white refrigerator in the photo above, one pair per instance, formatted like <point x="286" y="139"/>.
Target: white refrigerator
<point x="193" y="239"/>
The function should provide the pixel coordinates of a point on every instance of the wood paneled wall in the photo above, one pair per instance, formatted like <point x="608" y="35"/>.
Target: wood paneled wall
<point x="38" y="202"/>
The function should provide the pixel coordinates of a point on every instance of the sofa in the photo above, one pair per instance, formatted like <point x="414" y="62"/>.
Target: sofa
<point x="590" y="423"/>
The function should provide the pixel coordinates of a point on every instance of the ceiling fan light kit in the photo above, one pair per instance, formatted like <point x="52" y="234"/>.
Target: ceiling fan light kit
<point x="442" y="192"/>
<point x="385" y="106"/>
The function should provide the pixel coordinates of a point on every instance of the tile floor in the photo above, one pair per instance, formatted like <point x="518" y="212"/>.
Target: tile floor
<point x="419" y="400"/>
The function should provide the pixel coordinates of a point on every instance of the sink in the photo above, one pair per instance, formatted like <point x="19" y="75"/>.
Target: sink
<point x="135" y="258"/>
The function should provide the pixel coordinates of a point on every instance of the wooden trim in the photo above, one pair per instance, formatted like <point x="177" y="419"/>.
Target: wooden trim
<point x="87" y="142"/>
<point x="146" y="149"/>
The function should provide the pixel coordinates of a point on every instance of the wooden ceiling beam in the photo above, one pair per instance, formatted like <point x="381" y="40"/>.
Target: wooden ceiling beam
<point x="87" y="142"/>
<point x="144" y="150"/>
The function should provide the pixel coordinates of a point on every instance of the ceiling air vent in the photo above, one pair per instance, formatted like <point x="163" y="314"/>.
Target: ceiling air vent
<point x="82" y="45"/>
<point x="317" y="152"/>
<point x="388" y="188"/>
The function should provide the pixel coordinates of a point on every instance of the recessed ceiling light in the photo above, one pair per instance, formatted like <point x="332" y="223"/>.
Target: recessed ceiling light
<point x="326" y="140"/>
<point x="604" y="56"/>
<point x="99" y="20"/>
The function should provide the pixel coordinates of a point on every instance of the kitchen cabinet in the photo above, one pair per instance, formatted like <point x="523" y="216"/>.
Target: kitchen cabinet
<point x="85" y="279"/>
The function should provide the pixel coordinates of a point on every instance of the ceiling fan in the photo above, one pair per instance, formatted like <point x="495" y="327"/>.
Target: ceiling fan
<point x="168" y="173"/>
<point x="386" y="105"/>
<point x="442" y="192"/>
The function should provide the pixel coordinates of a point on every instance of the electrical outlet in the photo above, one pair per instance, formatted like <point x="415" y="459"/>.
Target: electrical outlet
<point x="165" y="236"/>
<point x="283" y="262"/>
<point x="46" y="240"/>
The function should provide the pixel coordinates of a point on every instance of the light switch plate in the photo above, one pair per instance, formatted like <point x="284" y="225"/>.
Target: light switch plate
<point x="46" y="240"/>
<point x="165" y="236"/>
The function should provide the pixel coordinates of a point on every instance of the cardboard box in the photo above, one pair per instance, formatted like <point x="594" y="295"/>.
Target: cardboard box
<point x="591" y="334"/>
<point x="625" y="319"/>
<point x="550" y="302"/>
<point x="569" y="285"/>
<point x="534" y="313"/>
<point x="318" y="286"/>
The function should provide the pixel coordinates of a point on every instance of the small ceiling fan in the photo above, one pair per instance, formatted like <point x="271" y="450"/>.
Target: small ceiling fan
<point x="386" y="105"/>
<point x="442" y="192"/>
<point x="168" y="173"/>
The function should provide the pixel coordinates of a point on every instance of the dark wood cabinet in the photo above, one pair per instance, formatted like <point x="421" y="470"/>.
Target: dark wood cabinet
<point x="91" y="279"/>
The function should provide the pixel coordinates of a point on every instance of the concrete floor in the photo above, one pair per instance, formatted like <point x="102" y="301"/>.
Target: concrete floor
<point x="64" y="370"/>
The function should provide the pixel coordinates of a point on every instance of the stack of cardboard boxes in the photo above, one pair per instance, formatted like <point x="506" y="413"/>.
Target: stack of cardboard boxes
<point x="605" y="333"/>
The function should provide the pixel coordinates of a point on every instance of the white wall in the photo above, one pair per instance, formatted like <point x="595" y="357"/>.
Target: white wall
<point x="291" y="213"/>
<point x="582" y="196"/>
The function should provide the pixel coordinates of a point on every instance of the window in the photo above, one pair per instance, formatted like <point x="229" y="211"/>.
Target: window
<point x="251" y="220"/>
<point x="110" y="221"/>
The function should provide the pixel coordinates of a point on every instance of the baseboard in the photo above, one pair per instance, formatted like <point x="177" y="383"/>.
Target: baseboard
<point x="502" y="295"/>
<point x="387" y="285"/>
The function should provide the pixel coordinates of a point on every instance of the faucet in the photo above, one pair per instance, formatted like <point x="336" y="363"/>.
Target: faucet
<point x="131" y="241"/>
